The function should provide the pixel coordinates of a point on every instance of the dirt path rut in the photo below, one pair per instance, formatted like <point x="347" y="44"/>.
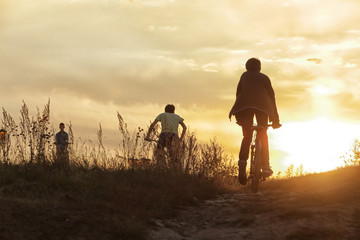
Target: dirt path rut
<point x="266" y="215"/>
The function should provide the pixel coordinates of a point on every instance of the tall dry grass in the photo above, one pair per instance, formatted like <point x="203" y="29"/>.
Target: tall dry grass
<point x="352" y="158"/>
<point x="29" y="140"/>
<point x="99" y="184"/>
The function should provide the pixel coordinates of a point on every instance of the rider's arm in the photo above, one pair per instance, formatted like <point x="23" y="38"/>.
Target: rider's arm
<point x="183" y="129"/>
<point x="238" y="91"/>
<point x="275" y="118"/>
<point x="151" y="128"/>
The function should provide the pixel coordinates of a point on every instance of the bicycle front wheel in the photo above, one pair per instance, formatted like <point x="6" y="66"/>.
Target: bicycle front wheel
<point x="256" y="177"/>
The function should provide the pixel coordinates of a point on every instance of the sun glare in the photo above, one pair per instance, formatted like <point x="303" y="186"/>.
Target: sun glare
<point x="321" y="90"/>
<point x="317" y="144"/>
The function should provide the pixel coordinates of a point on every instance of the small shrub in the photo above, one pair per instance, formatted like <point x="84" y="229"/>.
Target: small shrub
<point x="353" y="159"/>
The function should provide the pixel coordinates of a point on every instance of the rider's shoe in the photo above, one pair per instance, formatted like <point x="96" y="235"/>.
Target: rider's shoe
<point x="242" y="172"/>
<point x="267" y="172"/>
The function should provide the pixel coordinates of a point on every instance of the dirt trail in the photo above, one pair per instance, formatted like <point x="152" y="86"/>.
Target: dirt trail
<point x="324" y="213"/>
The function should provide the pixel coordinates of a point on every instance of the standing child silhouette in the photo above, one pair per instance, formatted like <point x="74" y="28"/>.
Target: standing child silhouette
<point x="61" y="143"/>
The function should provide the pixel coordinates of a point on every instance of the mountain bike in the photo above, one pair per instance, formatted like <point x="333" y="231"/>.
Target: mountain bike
<point x="256" y="175"/>
<point x="139" y="162"/>
<point x="167" y="157"/>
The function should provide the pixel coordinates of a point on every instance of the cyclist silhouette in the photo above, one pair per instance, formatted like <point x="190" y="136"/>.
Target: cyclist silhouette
<point x="254" y="97"/>
<point x="168" y="138"/>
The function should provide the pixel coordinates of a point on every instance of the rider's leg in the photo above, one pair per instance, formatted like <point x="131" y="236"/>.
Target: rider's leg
<point x="244" y="154"/>
<point x="262" y="120"/>
<point x="159" y="157"/>
<point x="159" y="154"/>
<point x="174" y="151"/>
<point x="245" y="119"/>
<point x="245" y="144"/>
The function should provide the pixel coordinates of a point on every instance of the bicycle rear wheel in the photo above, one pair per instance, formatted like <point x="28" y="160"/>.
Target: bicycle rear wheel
<point x="256" y="175"/>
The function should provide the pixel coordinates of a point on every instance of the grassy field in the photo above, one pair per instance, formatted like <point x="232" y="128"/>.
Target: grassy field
<point x="99" y="195"/>
<point x="47" y="202"/>
<point x="44" y="202"/>
<point x="340" y="185"/>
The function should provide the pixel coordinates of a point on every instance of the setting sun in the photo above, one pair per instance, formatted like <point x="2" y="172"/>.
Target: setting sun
<point x="320" y="90"/>
<point x="316" y="144"/>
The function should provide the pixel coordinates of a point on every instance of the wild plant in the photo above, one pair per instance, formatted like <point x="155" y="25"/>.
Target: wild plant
<point x="190" y="151"/>
<point x="214" y="162"/>
<point x="9" y="128"/>
<point x="290" y="171"/>
<point x="132" y="147"/>
<point x="30" y="140"/>
<point x="353" y="158"/>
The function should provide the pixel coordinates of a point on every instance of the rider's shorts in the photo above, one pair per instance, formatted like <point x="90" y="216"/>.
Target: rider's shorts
<point x="167" y="139"/>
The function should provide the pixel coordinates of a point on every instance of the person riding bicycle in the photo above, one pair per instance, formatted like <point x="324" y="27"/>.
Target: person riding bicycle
<point x="254" y="96"/>
<point x="169" y="129"/>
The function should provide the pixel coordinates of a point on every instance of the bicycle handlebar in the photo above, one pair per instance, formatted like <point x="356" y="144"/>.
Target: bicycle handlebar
<point x="256" y="127"/>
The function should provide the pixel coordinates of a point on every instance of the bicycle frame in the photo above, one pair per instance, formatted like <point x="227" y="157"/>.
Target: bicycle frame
<point x="164" y="157"/>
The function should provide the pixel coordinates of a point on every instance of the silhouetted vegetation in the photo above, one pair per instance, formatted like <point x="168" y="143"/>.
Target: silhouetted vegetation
<point x="353" y="158"/>
<point x="103" y="194"/>
<point x="99" y="195"/>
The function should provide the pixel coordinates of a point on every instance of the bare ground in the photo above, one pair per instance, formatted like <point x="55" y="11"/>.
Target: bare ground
<point x="320" y="206"/>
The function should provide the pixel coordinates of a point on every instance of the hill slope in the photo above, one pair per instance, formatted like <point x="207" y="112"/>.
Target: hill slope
<point x="46" y="202"/>
<point x="317" y="206"/>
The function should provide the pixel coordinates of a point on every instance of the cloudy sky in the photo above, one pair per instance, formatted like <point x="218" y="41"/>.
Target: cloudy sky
<point x="93" y="58"/>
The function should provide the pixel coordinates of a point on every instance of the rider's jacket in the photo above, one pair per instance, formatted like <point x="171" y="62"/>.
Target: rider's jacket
<point x="255" y="91"/>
